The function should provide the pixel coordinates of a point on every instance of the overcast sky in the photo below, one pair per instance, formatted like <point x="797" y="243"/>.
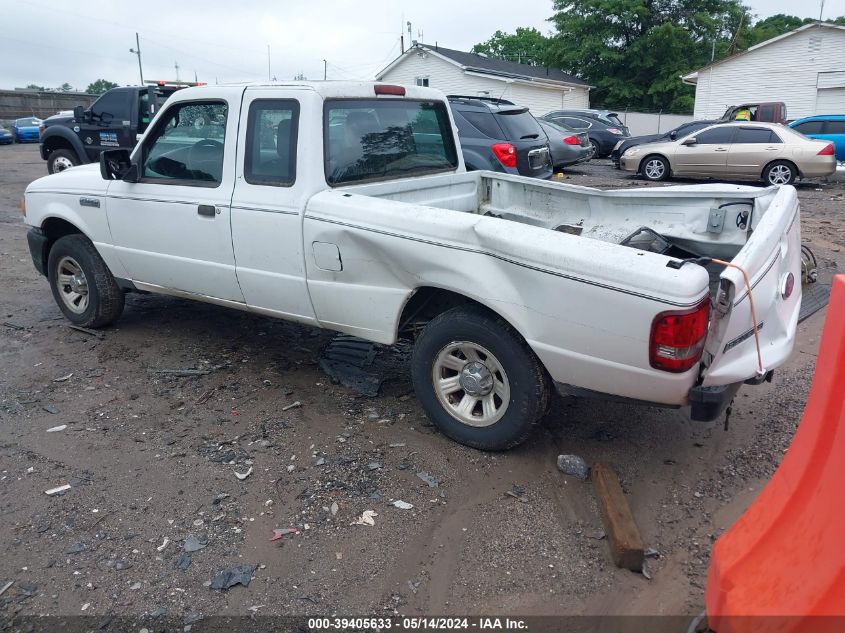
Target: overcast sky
<point x="51" y="42"/>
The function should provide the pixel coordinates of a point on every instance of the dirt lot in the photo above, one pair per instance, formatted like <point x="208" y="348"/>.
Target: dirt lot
<point x="151" y="460"/>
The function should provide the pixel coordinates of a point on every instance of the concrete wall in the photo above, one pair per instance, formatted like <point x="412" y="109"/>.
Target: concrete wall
<point x="15" y="104"/>
<point x="646" y="123"/>
<point x="452" y="79"/>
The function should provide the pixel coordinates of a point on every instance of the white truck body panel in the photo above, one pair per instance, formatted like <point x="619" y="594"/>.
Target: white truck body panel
<point x="544" y="256"/>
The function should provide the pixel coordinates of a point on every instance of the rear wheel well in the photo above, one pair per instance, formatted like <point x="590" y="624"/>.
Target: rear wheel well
<point x="427" y="302"/>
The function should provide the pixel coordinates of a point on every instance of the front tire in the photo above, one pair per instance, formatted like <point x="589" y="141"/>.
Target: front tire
<point x="82" y="284"/>
<point x="654" y="168"/>
<point x="478" y="380"/>
<point x="780" y="172"/>
<point x="60" y="160"/>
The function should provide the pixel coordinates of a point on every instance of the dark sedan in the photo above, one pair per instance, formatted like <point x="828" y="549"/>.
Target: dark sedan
<point x="26" y="130"/>
<point x="568" y="146"/>
<point x="603" y="132"/>
<point x="679" y="132"/>
<point x="5" y="136"/>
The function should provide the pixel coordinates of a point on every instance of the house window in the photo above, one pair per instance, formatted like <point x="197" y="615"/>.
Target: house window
<point x="423" y="81"/>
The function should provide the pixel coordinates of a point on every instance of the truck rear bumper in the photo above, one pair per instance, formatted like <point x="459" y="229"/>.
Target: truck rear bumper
<point x="708" y="403"/>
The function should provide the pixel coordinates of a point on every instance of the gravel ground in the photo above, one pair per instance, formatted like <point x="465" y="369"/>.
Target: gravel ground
<point x="152" y="460"/>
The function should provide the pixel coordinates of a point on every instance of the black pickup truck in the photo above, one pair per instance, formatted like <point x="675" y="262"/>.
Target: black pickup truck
<point x="113" y="121"/>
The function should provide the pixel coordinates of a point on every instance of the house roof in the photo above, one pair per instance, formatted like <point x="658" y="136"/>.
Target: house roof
<point x="492" y="66"/>
<point x="692" y="78"/>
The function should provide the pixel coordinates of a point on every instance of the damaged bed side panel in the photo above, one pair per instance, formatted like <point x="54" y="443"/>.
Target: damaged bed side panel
<point x="584" y="306"/>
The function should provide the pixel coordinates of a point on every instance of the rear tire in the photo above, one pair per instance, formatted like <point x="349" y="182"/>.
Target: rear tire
<point x="654" y="168"/>
<point x="60" y="160"/>
<point x="478" y="380"/>
<point x="596" y="148"/>
<point x="82" y="284"/>
<point x="780" y="172"/>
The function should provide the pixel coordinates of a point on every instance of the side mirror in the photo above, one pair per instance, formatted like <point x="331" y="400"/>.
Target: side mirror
<point x="78" y="113"/>
<point x="689" y="141"/>
<point x="673" y="135"/>
<point x="115" y="165"/>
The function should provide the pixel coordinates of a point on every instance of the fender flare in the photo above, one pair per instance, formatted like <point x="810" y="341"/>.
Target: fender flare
<point x="68" y="135"/>
<point x="474" y="160"/>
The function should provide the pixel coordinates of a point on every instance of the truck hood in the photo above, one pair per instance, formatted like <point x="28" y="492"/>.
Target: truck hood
<point x="82" y="179"/>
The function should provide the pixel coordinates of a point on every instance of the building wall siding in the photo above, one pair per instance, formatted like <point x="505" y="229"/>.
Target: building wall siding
<point x="452" y="80"/>
<point x="786" y="71"/>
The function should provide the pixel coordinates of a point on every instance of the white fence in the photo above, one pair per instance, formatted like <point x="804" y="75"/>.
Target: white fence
<point x="648" y="123"/>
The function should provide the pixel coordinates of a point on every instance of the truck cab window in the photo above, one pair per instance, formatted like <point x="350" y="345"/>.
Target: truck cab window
<point x="186" y="146"/>
<point x="112" y="105"/>
<point x="270" y="155"/>
<point x="378" y="139"/>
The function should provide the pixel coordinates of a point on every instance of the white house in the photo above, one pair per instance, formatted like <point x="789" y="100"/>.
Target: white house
<point x="540" y="88"/>
<point x="804" y="68"/>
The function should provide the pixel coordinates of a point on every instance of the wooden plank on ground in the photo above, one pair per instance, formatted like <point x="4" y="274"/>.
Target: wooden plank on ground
<point x="623" y="535"/>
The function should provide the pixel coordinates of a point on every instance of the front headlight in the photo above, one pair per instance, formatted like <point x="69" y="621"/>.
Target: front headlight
<point x="632" y="151"/>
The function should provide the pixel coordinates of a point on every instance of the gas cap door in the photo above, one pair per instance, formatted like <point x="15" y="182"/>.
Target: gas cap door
<point x="327" y="256"/>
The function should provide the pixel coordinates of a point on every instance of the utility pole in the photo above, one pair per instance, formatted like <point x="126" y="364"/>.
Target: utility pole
<point x="268" y="64"/>
<point x="176" y="66"/>
<point x="325" y="69"/>
<point x="137" y="51"/>
<point x="821" y="11"/>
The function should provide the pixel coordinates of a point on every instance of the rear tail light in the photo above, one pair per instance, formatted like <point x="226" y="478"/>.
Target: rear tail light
<point x="677" y="338"/>
<point x="827" y="150"/>
<point x="572" y="140"/>
<point x="386" y="89"/>
<point x="506" y="153"/>
<point x="614" y="130"/>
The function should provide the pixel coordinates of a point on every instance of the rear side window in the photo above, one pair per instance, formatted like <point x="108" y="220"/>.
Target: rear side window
<point x="810" y="127"/>
<point x="519" y="124"/>
<point x="270" y="153"/>
<point x="720" y="135"/>
<point x="835" y="127"/>
<point x="485" y="122"/>
<point x="372" y="139"/>
<point x="577" y="124"/>
<point x="755" y="135"/>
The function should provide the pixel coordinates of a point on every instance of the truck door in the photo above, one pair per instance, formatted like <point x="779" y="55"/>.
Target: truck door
<point x="107" y="122"/>
<point x="172" y="229"/>
<point x="268" y="201"/>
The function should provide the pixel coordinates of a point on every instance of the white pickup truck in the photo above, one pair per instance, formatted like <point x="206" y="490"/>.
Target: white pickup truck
<point x="346" y="205"/>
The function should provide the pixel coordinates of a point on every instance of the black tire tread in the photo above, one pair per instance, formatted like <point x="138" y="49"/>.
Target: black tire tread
<point x="109" y="298"/>
<point x="485" y="321"/>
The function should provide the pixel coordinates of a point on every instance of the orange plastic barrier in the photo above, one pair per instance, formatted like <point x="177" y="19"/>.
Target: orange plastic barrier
<point x="781" y="566"/>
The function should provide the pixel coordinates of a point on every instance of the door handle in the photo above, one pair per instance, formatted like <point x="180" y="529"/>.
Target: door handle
<point x="721" y="149"/>
<point x="207" y="210"/>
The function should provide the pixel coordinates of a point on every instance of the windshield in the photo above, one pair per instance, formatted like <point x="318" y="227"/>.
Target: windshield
<point x="27" y="122"/>
<point x="368" y="139"/>
<point x="519" y="125"/>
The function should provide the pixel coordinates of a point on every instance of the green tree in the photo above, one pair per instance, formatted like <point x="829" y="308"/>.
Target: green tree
<point x="526" y="46"/>
<point x="100" y="86"/>
<point x="633" y="51"/>
<point x="65" y="87"/>
<point x="37" y="87"/>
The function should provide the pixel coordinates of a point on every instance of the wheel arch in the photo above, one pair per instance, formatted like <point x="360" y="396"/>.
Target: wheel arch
<point x="60" y="137"/>
<point x="654" y="155"/>
<point x="55" y="228"/>
<point x="781" y="160"/>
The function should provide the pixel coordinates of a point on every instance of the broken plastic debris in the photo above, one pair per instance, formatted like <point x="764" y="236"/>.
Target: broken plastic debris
<point x="431" y="481"/>
<point x="402" y="505"/>
<point x="57" y="489"/>
<point x="334" y="508"/>
<point x="183" y="562"/>
<point x="194" y="543"/>
<point x="63" y="378"/>
<point x="54" y="429"/>
<point x="243" y="476"/>
<point x="161" y="547"/>
<point x="292" y="405"/>
<point x="366" y="518"/>
<point x="281" y="532"/>
<point x="240" y="574"/>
